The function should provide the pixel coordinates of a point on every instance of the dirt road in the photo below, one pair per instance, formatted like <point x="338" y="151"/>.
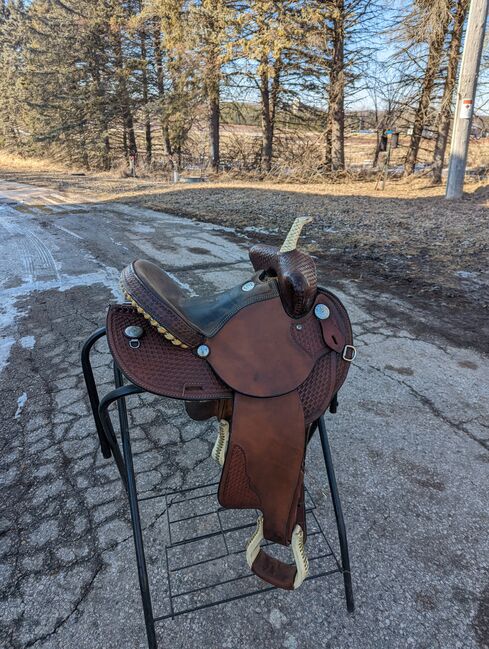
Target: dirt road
<point x="410" y="441"/>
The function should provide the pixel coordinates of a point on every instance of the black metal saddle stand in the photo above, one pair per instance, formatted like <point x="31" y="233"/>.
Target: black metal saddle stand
<point x="124" y="461"/>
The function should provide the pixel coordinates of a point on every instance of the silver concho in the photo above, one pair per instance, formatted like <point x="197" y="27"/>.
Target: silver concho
<point x="203" y="351"/>
<point x="321" y="311"/>
<point x="134" y="331"/>
<point x="249" y="286"/>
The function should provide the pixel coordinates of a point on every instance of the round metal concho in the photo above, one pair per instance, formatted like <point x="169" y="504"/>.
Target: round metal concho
<point x="249" y="286"/>
<point x="134" y="331"/>
<point x="203" y="351"/>
<point x="321" y="311"/>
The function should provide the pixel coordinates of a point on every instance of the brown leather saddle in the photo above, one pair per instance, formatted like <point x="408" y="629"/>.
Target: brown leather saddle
<point x="265" y="357"/>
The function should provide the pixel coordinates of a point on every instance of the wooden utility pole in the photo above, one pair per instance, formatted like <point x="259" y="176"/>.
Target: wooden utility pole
<point x="469" y="73"/>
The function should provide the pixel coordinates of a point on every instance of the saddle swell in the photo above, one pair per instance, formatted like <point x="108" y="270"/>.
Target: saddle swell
<point x="266" y="358"/>
<point x="296" y="276"/>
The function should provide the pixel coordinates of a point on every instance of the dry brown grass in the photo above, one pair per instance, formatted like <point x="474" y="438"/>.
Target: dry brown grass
<point x="13" y="163"/>
<point x="407" y="232"/>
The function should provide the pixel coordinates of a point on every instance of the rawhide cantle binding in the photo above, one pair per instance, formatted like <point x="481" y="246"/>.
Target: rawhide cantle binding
<point x="265" y="357"/>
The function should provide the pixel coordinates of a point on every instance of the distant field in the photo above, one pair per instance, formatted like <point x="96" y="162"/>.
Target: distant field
<point x="359" y="148"/>
<point x="298" y="150"/>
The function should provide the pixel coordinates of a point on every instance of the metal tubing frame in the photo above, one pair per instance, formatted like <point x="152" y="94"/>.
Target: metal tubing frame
<point x="125" y="465"/>
<point x="338" y="511"/>
<point x="119" y="395"/>
<point x="109" y="446"/>
<point x="92" y="387"/>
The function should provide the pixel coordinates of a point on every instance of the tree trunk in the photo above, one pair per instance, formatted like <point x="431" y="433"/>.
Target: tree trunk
<point x="147" y="117"/>
<point x="336" y="111"/>
<point x="106" y="162"/>
<point x="124" y="141"/>
<point x="85" y="159"/>
<point x="266" y="124"/>
<point x="167" y="148"/>
<point x="102" y="110"/>
<point x="129" y="122"/>
<point x="445" y="114"/>
<point x="432" y="67"/>
<point x="214" y="118"/>
<point x="327" y="142"/>
<point x="375" y="161"/>
<point x="269" y="101"/>
<point x="124" y="97"/>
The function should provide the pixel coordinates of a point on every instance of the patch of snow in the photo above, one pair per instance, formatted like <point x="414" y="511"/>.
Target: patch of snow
<point x="118" y="243"/>
<point x="10" y="312"/>
<point x="140" y="228"/>
<point x="73" y="234"/>
<point x="253" y="228"/>
<point x="5" y="346"/>
<point x="27" y="342"/>
<point x="21" y="401"/>
<point x="465" y="274"/>
<point x="277" y="619"/>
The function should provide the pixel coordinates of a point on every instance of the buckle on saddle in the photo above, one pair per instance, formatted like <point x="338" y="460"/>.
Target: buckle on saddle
<point x="298" y="550"/>
<point x="353" y="352"/>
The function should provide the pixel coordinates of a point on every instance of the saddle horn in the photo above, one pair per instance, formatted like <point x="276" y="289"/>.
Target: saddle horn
<point x="295" y="270"/>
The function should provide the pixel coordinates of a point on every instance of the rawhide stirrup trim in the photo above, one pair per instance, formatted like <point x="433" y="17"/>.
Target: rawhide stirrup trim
<point x="298" y="550"/>
<point x="221" y="444"/>
<point x="154" y="323"/>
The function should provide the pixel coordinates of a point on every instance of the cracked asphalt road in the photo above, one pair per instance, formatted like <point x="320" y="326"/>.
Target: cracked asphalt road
<point x="410" y="442"/>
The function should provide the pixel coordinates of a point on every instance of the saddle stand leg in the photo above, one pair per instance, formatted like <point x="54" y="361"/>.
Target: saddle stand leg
<point x="108" y="441"/>
<point x="92" y="388"/>
<point x="119" y="395"/>
<point x="340" y="522"/>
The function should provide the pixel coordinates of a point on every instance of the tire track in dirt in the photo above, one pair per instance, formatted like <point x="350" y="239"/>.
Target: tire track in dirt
<point x="36" y="258"/>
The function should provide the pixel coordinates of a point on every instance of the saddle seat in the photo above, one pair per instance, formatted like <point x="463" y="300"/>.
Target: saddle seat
<point x="184" y="320"/>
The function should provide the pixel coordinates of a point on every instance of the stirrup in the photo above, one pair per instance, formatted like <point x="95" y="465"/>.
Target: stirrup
<point x="221" y="443"/>
<point x="298" y="550"/>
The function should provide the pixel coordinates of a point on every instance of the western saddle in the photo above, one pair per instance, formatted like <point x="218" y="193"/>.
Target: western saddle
<point x="266" y="358"/>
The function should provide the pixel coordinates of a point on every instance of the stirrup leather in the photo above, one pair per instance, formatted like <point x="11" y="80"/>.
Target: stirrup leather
<point x="221" y="443"/>
<point x="298" y="551"/>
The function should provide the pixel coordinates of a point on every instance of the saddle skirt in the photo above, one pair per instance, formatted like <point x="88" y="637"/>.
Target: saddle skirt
<point x="266" y="358"/>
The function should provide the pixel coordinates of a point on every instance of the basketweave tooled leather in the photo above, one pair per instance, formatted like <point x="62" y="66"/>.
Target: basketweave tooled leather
<point x="157" y="365"/>
<point x="272" y="369"/>
<point x="273" y="476"/>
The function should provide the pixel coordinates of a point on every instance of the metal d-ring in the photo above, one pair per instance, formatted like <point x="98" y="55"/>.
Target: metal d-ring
<point x="353" y="353"/>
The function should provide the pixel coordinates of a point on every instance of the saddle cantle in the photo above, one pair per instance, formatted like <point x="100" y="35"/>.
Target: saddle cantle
<point x="266" y="358"/>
